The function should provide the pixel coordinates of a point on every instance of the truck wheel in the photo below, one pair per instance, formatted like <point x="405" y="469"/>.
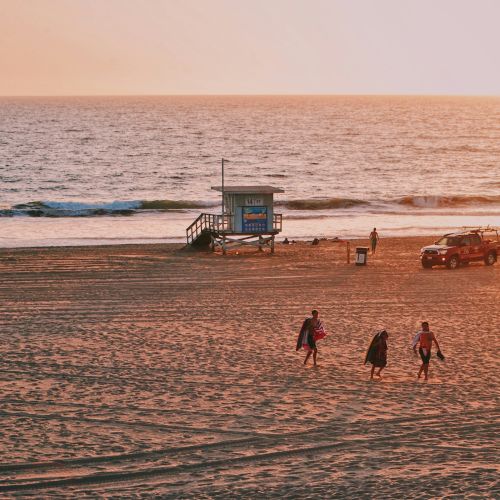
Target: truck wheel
<point x="490" y="258"/>
<point x="426" y="265"/>
<point x="453" y="263"/>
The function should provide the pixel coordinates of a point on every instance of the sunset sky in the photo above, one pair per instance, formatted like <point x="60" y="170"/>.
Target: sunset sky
<point x="84" y="47"/>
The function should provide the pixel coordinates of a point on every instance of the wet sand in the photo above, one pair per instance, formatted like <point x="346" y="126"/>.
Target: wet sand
<point x="142" y="371"/>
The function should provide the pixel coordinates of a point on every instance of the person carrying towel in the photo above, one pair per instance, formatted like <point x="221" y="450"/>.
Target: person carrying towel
<point x="311" y="331"/>
<point x="377" y="352"/>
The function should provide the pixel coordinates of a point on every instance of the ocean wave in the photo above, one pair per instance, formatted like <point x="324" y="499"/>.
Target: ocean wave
<point x="436" y="201"/>
<point x="312" y="216"/>
<point x="419" y="203"/>
<point x="321" y="204"/>
<point x="81" y="209"/>
<point x="396" y="204"/>
<point x="174" y="205"/>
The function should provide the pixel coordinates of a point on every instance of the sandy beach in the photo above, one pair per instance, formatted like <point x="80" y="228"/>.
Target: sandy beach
<point x="149" y="370"/>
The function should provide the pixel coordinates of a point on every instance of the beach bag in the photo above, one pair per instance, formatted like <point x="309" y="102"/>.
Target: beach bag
<point x="319" y="333"/>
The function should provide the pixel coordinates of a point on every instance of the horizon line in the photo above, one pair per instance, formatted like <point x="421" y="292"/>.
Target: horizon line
<point x="287" y="94"/>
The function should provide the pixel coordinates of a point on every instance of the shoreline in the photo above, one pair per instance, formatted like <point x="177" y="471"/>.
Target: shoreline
<point x="171" y="246"/>
<point x="168" y="245"/>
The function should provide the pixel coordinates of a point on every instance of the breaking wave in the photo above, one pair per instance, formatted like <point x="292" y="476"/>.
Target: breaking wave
<point x="79" y="209"/>
<point x="447" y="201"/>
<point x="174" y="205"/>
<point x="127" y="208"/>
<point x="322" y="204"/>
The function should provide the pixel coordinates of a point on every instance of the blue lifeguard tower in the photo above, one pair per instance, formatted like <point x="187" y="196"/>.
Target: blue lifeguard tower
<point x="247" y="218"/>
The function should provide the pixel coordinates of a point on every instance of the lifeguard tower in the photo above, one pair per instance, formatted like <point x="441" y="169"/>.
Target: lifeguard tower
<point x="247" y="218"/>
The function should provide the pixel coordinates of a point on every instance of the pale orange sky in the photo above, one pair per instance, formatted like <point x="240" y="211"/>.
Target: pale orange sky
<point x="84" y="47"/>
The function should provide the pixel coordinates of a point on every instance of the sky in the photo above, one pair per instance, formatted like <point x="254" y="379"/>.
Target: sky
<point x="116" y="47"/>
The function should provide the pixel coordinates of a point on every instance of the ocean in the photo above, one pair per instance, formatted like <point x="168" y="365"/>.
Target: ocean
<point x="99" y="170"/>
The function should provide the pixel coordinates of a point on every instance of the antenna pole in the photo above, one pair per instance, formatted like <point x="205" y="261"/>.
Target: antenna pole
<point x="223" y="193"/>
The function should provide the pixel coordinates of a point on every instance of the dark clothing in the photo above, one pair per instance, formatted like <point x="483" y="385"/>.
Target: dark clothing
<point x="425" y="357"/>
<point x="310" y="339"/>
<point x="306" y="330"/>
<point x="373" y="240"/>
<point x="377" y="353"/>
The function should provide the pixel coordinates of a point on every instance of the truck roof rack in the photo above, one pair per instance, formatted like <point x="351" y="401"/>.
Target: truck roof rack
<point x="482" y="229"/>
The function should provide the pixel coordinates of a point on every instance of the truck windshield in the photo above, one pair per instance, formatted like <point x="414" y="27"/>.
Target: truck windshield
<point x="448" y="241"/>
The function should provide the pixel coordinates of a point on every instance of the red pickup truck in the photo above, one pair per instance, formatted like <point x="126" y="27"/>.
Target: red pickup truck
<point x="456" y="249"/>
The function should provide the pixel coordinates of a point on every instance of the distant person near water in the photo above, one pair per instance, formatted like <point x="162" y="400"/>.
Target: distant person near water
<point x="312" y="330"/>
<point x="374" y="239"/>
<point x="424" y="338"/>
<point x="377" y="352"/>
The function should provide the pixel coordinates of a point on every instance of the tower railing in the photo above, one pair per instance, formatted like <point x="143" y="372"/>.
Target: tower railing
<point x="216" y="223"/>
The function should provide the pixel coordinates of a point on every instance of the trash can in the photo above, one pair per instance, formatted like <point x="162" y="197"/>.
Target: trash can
<point x="361" y="256"/>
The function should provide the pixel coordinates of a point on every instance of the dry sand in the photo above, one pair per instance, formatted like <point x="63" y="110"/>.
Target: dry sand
<point x="140" y="371"/>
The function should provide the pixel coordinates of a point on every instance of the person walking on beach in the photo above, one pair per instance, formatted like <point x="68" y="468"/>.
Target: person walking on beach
<point x="374" y="240"/>
<point x="377" y="352"/>
<point x="311" y="331"/>
<point x="424" y="338"/>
